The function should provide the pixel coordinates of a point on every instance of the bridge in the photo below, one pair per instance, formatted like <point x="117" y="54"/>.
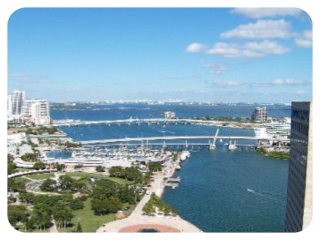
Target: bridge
<point x="167" y="138"/>
<point x="72" y="122"/>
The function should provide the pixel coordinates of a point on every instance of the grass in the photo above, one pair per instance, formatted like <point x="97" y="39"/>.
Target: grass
<point x="21" y="170"/>
<point x="84" y="175"/>
<point x="21" y="179"/>
<point x="40" y="176"/>
<point x="281" y="155"/>
<point x="89" y="222"/>
<point x="119" y="180"/>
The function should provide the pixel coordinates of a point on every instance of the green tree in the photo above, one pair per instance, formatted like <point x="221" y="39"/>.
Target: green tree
<point x="127" y="195"/>
<point x="79" y="228"/>
<point x="18" y="213"/>
<point x="62" y="214"/>
<point x="100" y="169"/>
<point x="117" y="172"/>
<point x="48" y="185"/>
<point x="14" y="185"/>
<point x="76" y="204"/>
<point x="78" y="166"/>
<point x="39" y="165"/>
<point x="104" y="188"/>
<point x="27" y="198"/>
<point x="30" y="157"/>
<point x="40" y="216"/>
<point x="66" y="183"/>
<point x="133" y="174"/>
<point x="105" y="206"/>
<point x="11" y="167"/>
<point x="155" y="166"/>
<point x="60" y="167"/>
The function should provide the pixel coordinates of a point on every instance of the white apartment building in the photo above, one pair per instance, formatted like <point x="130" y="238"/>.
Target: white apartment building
<point x="169" y="115"/>
<point x="37" y="111"/>
<point x="20" y="108"/>
<point x="9" y="106"/>
<point x="15" y="103"/>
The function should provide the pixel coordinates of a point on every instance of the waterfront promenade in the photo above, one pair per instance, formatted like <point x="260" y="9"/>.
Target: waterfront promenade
<point x="137" y="220"/>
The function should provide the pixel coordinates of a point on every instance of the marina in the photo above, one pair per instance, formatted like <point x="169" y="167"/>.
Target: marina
<point x="195" y="157"/>
<point x="159" y="119"/>
<point x="223" y="173"/>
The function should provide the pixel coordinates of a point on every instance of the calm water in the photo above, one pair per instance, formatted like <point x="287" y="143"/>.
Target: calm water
<point x="220" y="191"/>
<point x="226" y="191"/>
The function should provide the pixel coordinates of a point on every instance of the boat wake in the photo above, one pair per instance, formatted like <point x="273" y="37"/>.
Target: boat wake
<point x="253" y="191"/>
<point x="262" y="194"/>
<point x="165" y="131"/>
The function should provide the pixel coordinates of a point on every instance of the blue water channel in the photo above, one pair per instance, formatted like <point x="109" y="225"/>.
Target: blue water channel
<point x="221" y="191"/>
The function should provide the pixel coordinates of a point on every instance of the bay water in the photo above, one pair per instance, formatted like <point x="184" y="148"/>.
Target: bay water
<point x="220" y="191"/>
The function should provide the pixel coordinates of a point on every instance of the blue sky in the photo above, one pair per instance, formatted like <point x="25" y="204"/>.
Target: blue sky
<point x="191" y="54"/>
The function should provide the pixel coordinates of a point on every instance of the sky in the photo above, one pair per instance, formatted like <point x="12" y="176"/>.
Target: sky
<point x="189" y="54"/>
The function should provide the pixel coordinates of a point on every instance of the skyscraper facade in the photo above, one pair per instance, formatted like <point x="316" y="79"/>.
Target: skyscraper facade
<point x="299" y="193"/>
<point x="16" y="99"/>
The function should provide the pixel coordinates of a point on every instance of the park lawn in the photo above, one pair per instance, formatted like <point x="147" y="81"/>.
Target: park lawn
<point x="22" y="179"/>
<point x="86" y="175"/>
<point x="120" y="180"/>
<point x="21" y="170"/>
<point x="41" y="176"/>
<point x="89" y="222"/>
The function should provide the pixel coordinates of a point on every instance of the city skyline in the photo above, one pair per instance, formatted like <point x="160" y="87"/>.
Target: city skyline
<point x="212" y="54"/>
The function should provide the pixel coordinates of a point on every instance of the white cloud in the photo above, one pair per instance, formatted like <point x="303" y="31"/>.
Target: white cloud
<point x="286" y="81"/>
<point x="225" y="83"/>
<point x="216" y="68"/>
<point x="248" y="50"/>
<point x="28" y="78"/>
<point x="195" y="48"/>
<point x="267" y="12"/>
<point x="300" y="92"/>
<point x="224" y="49"/>
<point x="305" y="39"/>
<point x="262" y="29"/>
<point x="265" y="47"/>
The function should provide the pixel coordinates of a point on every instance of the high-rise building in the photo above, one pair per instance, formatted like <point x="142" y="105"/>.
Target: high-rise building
<point x="299" y="193"/>
<point x="169" y="115"/>
<point x="21" y="109"/>
<point x="9" y="106"/>
<point x="37" y="111"/>
<point x="259" y="114"/>
<point x="16" y="100"/>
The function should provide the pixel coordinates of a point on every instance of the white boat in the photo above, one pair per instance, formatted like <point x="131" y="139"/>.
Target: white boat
<point x="232" y="146"/>
<point x="184" y="155"/>
<point x="261" y="132"/>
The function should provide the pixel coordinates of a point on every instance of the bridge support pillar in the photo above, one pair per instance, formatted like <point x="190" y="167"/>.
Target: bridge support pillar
<point x="164" y="145"/>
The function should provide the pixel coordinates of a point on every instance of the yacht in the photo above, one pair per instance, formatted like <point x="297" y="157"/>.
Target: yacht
<point x="261" y="132"/>
<point x="232" y="146"/>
